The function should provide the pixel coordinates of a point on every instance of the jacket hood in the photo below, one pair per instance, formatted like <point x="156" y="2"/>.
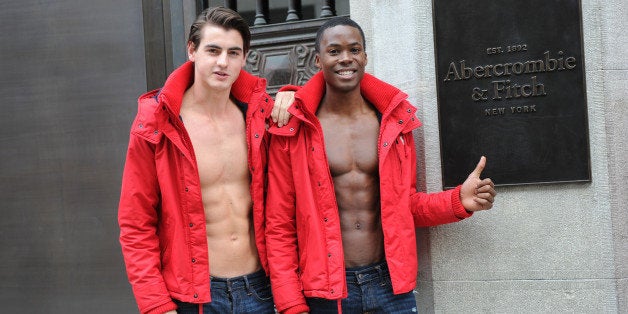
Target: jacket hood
<point x="388" y="100"/>
<point x="171" y="94"/>
<point x="381" y="94"/>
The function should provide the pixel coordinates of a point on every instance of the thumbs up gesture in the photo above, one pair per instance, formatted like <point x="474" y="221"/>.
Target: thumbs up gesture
<point x="475" y="193"/>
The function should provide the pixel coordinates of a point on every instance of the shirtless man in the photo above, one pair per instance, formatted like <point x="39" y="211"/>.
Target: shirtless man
<point x="342" y="203"/>
<point x="191" y="208"/>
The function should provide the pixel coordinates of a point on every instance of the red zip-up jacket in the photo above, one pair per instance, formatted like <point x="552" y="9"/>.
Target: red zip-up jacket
<point x="161" y="216"/>
<point x="303" y="237"/>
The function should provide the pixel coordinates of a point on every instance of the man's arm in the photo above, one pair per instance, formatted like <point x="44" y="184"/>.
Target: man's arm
<point x="450" y="206"/>
<point x="137" y="217"/>
<point x="281" y="237"/>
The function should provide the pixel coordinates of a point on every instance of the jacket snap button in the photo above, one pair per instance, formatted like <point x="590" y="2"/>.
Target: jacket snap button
<point x="194" y="260"/>
<point x="329" y="255"/>
<point x="409" y="110"/>
<point x="141" y="126"/>
<point x="385" y="144"/>
<point x="256" y="135"/>
<point x="196" y="295"/>
<point x="262" y="109"/>
<point x="186" y="189"/>
<point x="155" y="132"/>
<point x="325" y="219"/>
<point x="400" y="121"/>
<point x="291" y="129"/>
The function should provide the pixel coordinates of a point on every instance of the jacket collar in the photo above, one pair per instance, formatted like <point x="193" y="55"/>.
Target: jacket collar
<point x="171" y="94"/>
<point x="381" y="94"/>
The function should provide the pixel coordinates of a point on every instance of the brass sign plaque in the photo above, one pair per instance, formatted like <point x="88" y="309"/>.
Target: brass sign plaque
<point x="511" y="87"/>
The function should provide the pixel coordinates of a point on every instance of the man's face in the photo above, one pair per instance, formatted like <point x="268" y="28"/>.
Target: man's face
<point x="342" y="58"/>
<point x="218" y="58"/>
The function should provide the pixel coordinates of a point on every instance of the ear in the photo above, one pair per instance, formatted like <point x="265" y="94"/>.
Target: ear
<point x="317" y="61"/>
<point x="191" y="51"/>
<point x="366" y="59"/>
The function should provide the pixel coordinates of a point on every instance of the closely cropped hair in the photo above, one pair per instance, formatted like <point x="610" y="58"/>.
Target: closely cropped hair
<point x="337" y="21"/>
<point x="222" y="17"/>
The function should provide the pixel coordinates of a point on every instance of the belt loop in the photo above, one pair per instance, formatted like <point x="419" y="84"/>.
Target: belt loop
<point x="380" y="273"/>
<point x="249" y="291"/>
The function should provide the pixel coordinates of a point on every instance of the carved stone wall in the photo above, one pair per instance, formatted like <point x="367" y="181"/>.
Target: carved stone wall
<point x="283" y="54"/>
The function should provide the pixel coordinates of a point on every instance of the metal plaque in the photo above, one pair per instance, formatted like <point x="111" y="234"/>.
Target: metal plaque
<point x="511" y="87"/>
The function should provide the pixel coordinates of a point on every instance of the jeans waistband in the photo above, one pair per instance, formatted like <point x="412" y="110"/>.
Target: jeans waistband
<point x="260" y="274"/>
<point x="363" y="274"/>
<point x="240" y="282"/>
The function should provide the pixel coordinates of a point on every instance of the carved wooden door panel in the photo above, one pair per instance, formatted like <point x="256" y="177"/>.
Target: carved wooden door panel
<point x="284" y="54"/>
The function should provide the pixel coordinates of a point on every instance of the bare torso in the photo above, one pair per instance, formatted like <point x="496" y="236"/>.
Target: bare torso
<point x="351" y="147"/>
<point x="219" y="143"/>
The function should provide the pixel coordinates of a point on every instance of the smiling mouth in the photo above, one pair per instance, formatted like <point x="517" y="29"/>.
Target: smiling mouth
<point x="346" y="73"/>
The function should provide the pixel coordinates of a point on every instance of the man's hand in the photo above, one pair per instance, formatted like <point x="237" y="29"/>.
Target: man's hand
<point x="280" y="114"/>
<point x="475" y="193"/>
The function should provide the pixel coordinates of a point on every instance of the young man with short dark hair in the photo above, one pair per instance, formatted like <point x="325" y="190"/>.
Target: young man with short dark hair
<point x="342" y="205"/>
<point x="191" y="208"/>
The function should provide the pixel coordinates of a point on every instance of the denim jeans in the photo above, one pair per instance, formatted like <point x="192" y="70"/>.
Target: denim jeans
<point x="244" y="294"/>
<point x="370" y="291"/>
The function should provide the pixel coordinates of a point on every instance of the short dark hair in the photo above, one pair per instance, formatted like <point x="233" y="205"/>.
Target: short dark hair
<point x="222" y="17"/>
<point x="337" y="21"/>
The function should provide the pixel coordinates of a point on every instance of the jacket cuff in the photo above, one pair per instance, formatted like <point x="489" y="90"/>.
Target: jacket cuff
<point x="300" y="308"/>
<point x="289" y="88"/>
<point x="170" y="306"/>
<point x="456" y="204"/>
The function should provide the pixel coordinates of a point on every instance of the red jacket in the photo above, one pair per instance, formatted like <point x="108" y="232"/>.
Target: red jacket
<point x="305" y="251"/>
<point x="161" y="216"/>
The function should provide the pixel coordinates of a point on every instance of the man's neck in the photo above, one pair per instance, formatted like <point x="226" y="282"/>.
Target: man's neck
<point x="206" y="101"/>
<point x="340" y="103"/>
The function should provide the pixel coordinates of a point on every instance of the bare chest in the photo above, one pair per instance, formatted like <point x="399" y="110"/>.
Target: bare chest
<point x="219" y="147"/>
<point x="351" y="144"/>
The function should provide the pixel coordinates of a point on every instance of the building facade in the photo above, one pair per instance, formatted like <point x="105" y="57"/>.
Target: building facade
<point x="71" y="74"/>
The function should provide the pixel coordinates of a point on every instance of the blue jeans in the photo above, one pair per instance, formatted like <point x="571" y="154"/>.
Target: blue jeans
<point x="370" y="291"/>
<point x="244" y="294"/>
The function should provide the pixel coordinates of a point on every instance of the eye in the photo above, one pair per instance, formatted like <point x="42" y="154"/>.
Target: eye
<point x="234" y="53"/>
<point x="356" y="50"/>
<point x="333" y="52"/>
<point x="213" y="51"/>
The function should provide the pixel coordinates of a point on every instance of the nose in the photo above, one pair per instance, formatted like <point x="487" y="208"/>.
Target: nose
<point x="222" y="59"/>
<point x="345" y="57"/>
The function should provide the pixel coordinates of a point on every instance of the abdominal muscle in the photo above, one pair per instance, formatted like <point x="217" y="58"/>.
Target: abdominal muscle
<point x="230" y="235"/>
<point x="360" y="222"/>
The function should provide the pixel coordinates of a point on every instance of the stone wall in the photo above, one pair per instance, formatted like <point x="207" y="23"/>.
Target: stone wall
<point x="542" y="248"/>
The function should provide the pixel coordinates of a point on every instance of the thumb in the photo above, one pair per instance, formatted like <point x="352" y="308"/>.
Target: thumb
<point x="479" y="168"/>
